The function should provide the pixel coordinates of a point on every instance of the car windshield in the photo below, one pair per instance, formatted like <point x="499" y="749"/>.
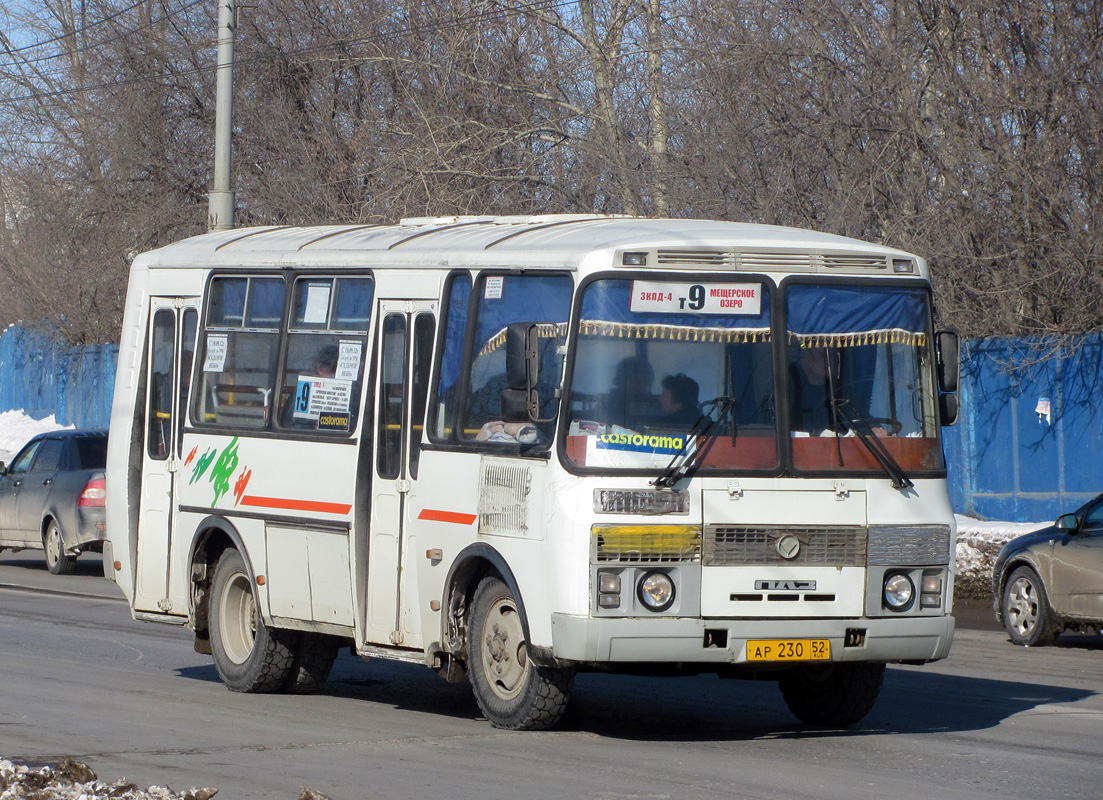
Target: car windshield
<point x="656" y="357"/>
<point x="92" y="452"/>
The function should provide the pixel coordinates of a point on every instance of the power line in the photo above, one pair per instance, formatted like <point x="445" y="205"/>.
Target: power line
<point x="430" y="27"/>
<point x="108" y="18"/>
<point x="91" y="45"/>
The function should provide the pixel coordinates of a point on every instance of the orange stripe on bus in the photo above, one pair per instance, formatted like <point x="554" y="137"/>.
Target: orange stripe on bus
<point x="435" y="515"/>
<point x="295" y="505"/>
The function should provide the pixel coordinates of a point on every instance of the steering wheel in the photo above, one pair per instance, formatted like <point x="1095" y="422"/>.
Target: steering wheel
<point x="893" y="426"/>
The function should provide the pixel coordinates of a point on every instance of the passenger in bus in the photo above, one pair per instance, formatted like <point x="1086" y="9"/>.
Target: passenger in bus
<point x="814" y="379"/>
<point x="679" y="402"/>
<point x="630" y="400"/>
<point x="325" y="362"/>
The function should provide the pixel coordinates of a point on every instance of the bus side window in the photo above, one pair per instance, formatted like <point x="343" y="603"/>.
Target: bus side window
<point x="503" y="300"/>
<point x="454" y="319"/>
<point x="322" y="376"/>
<point x="238" y="349"/>
<point x="162" y="354"/>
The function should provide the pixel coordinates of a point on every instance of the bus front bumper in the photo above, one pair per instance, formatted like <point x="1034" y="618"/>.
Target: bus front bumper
<point x="724" y="641"/>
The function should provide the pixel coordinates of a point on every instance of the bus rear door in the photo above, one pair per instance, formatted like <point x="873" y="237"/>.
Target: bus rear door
<point x="169" y="355"/>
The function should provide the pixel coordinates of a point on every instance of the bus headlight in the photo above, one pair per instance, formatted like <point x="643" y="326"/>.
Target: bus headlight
<point x="899" y="591"/>
<point x="656" y="591"/>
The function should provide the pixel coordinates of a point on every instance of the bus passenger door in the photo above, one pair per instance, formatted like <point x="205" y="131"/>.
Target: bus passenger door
<point x="170" y="348"/>
<point x="404" y="353"/>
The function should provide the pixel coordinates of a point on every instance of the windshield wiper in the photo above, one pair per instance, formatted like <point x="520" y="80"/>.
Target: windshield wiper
<point x="860" y="424"/>
<point x="702" y="435"/>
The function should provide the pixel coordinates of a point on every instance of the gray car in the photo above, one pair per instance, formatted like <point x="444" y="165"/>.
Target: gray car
<point x="1052" y="579"/>
<point x="52" y="497"/>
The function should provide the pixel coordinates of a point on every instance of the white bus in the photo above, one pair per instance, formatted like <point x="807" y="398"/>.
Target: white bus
<point x="515" y="448"/>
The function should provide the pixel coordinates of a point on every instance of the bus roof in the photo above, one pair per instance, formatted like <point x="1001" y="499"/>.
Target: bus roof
<point x="560" y="240"/>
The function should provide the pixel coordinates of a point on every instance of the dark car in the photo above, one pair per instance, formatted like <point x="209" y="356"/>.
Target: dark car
<point x="52" y="497"/>
<point x="1052" y="579"/>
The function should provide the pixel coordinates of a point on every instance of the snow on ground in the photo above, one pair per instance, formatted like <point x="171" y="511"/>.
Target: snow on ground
<point x="71" y="780"/>
<point x="978" y="544"/>
<point x="16" y="428"/>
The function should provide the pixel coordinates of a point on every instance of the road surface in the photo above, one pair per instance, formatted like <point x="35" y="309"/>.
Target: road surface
<point x="80" y="678"/>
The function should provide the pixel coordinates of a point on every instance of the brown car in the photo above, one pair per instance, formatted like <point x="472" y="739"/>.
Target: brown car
<point x="1052" y="579"/>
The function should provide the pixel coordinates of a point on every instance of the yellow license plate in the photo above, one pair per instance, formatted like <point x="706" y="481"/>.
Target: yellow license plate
<point x="788" y="649"/>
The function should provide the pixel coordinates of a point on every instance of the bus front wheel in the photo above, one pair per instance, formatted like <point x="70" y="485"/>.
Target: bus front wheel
<point x="249" y="656"/>
<point x="512" y="692"/>
<point x="832" y="694"/>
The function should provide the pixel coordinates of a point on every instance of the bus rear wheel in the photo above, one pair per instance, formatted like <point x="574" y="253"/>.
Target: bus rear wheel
<point x="513" y="693"/>
<point x="832" y="694"/>
<point x="314" y="657"/>
<point x="249" y="656"/>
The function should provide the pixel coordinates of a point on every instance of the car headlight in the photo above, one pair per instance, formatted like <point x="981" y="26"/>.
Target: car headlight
<point x="656" y="591"/>
<point x="899" y="591"/>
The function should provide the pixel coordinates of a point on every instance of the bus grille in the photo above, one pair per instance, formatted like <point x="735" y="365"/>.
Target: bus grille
<point x="503" y="498"/>
<point x="909" y="545"/>
<point x="728" y="545"/>
<point x="654" y="545"/>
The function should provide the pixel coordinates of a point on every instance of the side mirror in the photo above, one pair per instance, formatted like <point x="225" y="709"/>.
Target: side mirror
<point x="947" y="409"/>
<point x="3" y="469"/>
<point x="1068" y="522"/>
<point x="521" y="401"/>
<point x="948" y="355"/>
<point x="522" y="356"/>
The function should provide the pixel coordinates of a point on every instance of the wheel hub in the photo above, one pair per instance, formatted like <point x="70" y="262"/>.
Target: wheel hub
<point x="1022" y="606"/>
<point x="504" y="652"/>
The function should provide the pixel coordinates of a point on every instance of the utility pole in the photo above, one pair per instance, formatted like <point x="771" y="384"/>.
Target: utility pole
<point x="220" y="210"/>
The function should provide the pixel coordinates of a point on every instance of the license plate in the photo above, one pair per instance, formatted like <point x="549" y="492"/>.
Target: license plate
<point x="788" y="649"/>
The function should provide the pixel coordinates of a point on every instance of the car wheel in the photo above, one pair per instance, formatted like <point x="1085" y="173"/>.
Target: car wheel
<point x="57" y="560"/>
<point x="249" y="656"/>
<point x="1025" y="609"/>
<point x="832" y="694"/>
<point x="512" y="692"/>
<point x="314" y="657"/>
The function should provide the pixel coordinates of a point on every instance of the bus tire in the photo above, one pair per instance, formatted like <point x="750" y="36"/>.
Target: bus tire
<point x="249" y="656"/>
<point x="832" y="694"/>
<point x="314" y="657"/>
<point x="513" y="693"/>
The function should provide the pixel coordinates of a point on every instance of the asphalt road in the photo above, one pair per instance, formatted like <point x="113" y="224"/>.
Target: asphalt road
<point x="79" y="678"/>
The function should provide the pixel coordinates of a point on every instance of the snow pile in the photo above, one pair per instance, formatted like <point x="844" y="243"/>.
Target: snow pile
<point x="978" y="544"/>
<point x="71" y="780"/>
<point x="16" y="428"/>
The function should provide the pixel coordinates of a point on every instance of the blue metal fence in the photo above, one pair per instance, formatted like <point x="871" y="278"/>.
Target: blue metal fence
<point x="1028" y="444"/>
<point x="42" y="376"/>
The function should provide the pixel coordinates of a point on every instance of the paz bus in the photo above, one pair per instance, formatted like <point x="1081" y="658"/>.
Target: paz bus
<point x="513" y="449"/>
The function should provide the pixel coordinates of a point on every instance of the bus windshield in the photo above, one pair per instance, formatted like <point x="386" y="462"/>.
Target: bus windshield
<point x="859" y="366"/>
<point x="655" y="358"/>
<point x="661" y="362"/>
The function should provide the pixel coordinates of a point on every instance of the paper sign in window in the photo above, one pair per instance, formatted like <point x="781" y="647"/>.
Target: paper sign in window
<point x="317" y="396"/>
<point x="316" y="307"/>
<point x="493" y="290"/>
<point x="217" y="345"/>
<point x="348" y="361"/>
